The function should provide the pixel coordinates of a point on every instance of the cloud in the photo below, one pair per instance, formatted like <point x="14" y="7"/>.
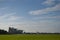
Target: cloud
<point x="14" y="18"/>
<point x="46" y="10"/>
<point x="7" y="10"/>
<point x="33" y="26"/>
<point x="3" y="8"/>
<point x="9" y="17"/>
<point x="47" y="17"/>
<point x="49" y="2"/>
<point x="29" y="26"/>
<point x="6" y="15"/>
<point x="42" y="26"/>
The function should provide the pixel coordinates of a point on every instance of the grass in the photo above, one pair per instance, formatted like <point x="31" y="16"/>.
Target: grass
<point x="30" y="37"/>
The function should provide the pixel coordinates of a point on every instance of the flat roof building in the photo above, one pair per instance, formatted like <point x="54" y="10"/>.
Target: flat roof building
<point x="15" y="31"/>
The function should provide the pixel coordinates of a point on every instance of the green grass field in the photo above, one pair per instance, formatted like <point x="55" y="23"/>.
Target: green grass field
<point x="30" y="37"/>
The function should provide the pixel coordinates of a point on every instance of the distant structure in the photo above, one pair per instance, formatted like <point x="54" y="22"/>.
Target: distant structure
<point x="14" y="31"/>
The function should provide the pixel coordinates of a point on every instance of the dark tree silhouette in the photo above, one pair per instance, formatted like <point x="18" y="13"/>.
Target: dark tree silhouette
<point x="3" y="32"/>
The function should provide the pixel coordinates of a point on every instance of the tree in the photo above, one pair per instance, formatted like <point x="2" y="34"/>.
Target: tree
<point x="3" y="32"/>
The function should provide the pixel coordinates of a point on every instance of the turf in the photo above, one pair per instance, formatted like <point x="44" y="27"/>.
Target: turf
<point x="30" y="37"/>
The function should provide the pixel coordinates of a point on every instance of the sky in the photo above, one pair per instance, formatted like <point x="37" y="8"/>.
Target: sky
<point x="30" y="15"/>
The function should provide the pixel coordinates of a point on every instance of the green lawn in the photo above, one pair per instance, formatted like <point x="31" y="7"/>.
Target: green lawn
<point x="30" y="37"/>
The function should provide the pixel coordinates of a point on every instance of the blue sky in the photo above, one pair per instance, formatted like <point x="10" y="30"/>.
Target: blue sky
<point x="30" y="15"/>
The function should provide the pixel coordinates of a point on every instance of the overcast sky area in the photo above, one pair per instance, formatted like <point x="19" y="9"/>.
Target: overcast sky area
<point x="30" y="15"/>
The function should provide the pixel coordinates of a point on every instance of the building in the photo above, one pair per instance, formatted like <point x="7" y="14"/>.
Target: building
<point x="15" y="31"/>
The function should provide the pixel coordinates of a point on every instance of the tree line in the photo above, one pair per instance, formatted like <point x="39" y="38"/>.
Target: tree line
<point x="3" y="32"/>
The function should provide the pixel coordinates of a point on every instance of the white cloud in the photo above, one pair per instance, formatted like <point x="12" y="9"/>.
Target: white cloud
<point x="46" y="17"/>
<point x="46" y="10"/>
<point x="42" y="26"/>
<point x="6" y="15"/>
<point x="9" y="17"/>
<point x="3" y="8"/>
<point x="14" y="18"/>
<point x="49" y="2"/>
